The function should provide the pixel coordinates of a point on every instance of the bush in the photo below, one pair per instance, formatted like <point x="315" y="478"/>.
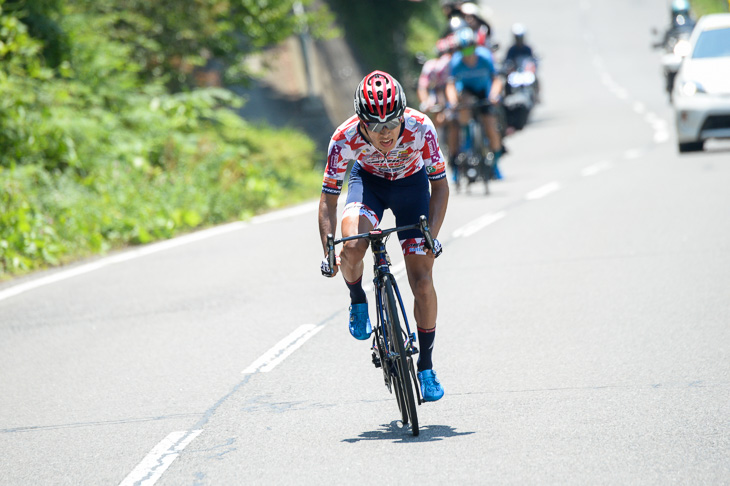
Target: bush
<point x="94" y="156"/>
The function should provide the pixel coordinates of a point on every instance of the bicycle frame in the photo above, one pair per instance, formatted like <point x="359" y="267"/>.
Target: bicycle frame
<point x="393" y="344"/>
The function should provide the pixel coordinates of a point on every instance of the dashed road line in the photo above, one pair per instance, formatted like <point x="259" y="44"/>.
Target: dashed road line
<point x="594" y="169"/>
<point x="159" y="459"/>
<point x="478" y="224"/>
<point x="543" y="191"/>
<point x="281" y="350"/>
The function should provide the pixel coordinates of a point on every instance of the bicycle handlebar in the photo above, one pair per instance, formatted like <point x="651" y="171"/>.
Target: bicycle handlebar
<point x="422" y="225"/>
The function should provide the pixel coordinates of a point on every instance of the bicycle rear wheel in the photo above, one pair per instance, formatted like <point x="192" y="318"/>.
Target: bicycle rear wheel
<point x="402" y="370"/>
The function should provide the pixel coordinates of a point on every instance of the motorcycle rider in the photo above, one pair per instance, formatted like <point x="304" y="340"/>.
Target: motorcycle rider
<point x="473" y="71"/>
<point x="681" y="21"/>
<point x="454" y="17"/>
<point x="476" y="21"/>
<point x="519" y="50"/>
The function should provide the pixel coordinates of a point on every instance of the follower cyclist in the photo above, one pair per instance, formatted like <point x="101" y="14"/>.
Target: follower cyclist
<point x="397" y="160"/>
<point x="473" y="71"/>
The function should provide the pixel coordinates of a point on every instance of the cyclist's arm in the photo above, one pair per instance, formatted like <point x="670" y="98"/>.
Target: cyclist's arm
<point x="437" y="206"/>
<point x="327" y="217"/>
<point x="452" y="96"/>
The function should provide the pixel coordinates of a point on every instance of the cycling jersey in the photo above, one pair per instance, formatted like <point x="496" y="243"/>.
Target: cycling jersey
<point x="477" y="78"/>
<point x="416" y="148"/>
<point x="435" y="73"/>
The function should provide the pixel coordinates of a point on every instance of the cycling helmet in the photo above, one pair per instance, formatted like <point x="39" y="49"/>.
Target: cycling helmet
<point x="379" y="98"/>
<point x="465" y="37"/>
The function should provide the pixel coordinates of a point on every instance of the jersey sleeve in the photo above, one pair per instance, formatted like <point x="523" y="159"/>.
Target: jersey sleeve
<point x="334" y="172"/>
<point x="433" y="157"/>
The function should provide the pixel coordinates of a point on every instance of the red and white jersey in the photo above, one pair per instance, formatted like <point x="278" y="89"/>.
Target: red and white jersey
<point x="435" y="73"/>
<point x="417" y="147"/>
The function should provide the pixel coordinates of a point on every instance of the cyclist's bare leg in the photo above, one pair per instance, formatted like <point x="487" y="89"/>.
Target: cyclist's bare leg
<point x="420" y="276"/>
<point x="492" y="132"/>
<point x="353" y="252"/>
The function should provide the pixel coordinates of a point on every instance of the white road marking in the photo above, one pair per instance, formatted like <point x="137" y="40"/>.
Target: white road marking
<point x="596" y="168"/>
<point x="121" y="257"/>
<point x="639" y="107"/>
<point x="633" y="154"/>
<point x="661" y="136"/>
<point x="283" y="348"/>
<point x="543" y="191"/>
<point x="159" y="459"/>
<point x="476" y="225"/>
<point x="154" y="248"/>
<point x="285" y="213"/>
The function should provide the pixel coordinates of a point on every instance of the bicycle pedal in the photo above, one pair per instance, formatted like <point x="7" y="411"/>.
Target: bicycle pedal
<point x="376" y="360"/>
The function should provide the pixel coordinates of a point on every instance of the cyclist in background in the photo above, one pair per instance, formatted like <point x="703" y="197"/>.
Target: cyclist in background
<point x="432" y="87"/>
<point x="397" y="160"/>
<point x="473" y="71"/>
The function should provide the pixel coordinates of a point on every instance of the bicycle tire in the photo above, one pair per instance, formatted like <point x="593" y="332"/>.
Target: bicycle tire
<point x="402" y="376"/>
<point x="482" y="151"/>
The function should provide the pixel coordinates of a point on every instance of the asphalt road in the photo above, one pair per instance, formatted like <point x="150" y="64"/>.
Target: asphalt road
<point x="583" y="334"/>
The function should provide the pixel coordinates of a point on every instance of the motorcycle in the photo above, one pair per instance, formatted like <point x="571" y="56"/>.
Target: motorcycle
<point x="675" y="46"/>
<point x="520" y="93"/>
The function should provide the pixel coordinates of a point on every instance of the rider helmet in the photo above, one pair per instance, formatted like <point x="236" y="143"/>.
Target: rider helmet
<point x="518" y="30"/>
<point x="680" y="7"/>
<point x="470" y="8"/>
<point x="379" y="98"/>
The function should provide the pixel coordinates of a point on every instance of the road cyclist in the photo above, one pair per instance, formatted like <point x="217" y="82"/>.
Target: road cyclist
<point x="472" y="71"/>
<point x="397" y="164"/>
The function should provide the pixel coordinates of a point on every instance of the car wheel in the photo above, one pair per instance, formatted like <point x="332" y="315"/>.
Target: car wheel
<point x="691" y="146"/>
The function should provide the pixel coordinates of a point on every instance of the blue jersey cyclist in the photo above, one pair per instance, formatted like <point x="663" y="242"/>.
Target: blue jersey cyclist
<point x="473" y="72"/>
<point x="398" y="165"/>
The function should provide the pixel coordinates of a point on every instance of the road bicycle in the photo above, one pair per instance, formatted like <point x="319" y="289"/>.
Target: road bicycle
<point x="475" y="160"/>
<point x="393" y="345"/>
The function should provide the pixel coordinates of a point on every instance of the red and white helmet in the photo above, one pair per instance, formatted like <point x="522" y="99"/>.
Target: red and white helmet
<point x="379" y="98"/>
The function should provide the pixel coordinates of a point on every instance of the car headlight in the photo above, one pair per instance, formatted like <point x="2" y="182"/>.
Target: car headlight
<point x="691" y="88"/>
<point x="682" y="48"/>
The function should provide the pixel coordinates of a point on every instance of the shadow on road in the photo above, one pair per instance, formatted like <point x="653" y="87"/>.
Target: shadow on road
<point x="396" y="432"/>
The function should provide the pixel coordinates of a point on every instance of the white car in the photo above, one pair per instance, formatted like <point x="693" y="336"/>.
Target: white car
<point x="702" y="88"/>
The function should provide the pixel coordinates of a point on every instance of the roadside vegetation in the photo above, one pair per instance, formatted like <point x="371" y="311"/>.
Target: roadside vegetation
<point x="703" y="7"/>
<point x="391" y="42"/>
<point x="106" y="141"/>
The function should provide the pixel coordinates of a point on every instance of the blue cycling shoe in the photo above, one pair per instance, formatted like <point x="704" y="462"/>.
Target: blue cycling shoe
<point x="431" y="389"/>
<point x="360" y="327"/>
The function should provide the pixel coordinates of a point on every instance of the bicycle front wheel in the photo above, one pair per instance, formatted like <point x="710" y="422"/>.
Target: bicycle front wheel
<point x="401" y="375"/>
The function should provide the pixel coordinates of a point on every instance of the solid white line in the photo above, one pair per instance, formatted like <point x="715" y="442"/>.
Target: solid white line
<point x="282" y="349"/>
<point x="154" y="248"/>
<point x="285" y="213"/>
<point x="595" y="168"/>
<point x="542" y="191"/>
<point x="121" y="257"/>
<point x="159" y="459"/>
<point x="476" y="225"/>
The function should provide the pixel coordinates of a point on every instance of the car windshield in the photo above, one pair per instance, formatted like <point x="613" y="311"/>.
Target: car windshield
<point x="713" y="43"/>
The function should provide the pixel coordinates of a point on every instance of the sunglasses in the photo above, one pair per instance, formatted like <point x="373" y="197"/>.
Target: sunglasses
<point x="378" y="127"/>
